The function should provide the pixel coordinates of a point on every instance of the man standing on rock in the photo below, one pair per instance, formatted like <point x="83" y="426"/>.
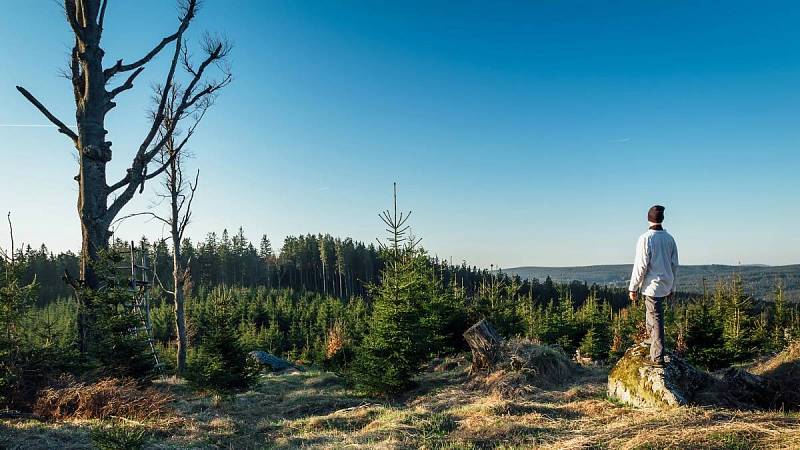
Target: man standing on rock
<point x="654" y="274"/>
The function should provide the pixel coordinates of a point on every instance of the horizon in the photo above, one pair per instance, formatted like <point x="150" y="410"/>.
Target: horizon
<point x="519" y="135"/>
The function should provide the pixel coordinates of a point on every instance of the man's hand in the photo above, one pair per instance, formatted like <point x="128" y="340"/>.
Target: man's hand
<point x="633" y="295"/>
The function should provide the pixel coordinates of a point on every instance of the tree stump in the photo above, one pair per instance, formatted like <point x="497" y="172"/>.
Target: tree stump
<point x="485" y="343"/>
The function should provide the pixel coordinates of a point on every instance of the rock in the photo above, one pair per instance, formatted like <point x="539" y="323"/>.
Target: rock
<point x="769" y="385"/>
<point x="634" y="382"/>
<point x="268" y="361"/>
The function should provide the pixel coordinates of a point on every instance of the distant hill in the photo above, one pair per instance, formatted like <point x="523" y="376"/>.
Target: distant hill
<point x="759" y="280"/>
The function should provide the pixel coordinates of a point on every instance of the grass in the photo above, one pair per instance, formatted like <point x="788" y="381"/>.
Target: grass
<point x="448" y="411"/>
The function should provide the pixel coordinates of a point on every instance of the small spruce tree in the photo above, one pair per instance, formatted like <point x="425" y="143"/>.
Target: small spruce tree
<point x="219" y="364"/>
<point x="16" y="298"/>
<point x="393" y="349"/>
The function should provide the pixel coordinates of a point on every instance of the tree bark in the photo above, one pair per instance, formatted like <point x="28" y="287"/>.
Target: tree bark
<point x="94" y="152"/>
<point x="179" y="278"/>
<point x="485" y="343"/>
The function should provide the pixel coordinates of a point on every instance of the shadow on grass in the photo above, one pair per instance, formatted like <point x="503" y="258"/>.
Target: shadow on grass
<point x="23" y="435"/>
<point x="550" y="412"/>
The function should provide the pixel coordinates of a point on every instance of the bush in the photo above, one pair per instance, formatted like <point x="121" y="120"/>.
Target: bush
<point x="117" y="350"/>
<point x="118" y="437"/>
<point x="219" y="364"/>
<point x="16" y="299"/>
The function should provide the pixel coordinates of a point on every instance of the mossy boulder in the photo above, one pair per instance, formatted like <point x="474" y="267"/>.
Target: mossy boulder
<point x="636" y="383"/>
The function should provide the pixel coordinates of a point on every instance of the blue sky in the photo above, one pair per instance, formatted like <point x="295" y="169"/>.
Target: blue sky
<point x="529" y="133"/>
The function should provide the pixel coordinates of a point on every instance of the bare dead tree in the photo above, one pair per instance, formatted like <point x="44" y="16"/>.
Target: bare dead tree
<point x="10" y="256"/>
<point x="99" y="202"/>
<point x="180" y="193"/>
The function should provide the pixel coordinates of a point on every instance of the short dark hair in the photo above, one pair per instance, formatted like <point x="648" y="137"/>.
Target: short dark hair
<point x="655" y="214"/>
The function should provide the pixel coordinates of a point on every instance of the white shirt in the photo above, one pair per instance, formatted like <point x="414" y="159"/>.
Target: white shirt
<point x="655" y="265"/>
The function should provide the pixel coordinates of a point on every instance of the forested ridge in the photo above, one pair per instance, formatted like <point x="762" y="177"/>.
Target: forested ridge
<point x="341" y="267"/>
<point x="758" y="280"/>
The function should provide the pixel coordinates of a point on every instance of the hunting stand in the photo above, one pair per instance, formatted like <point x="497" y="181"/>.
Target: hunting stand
<point x="140" y="284"/>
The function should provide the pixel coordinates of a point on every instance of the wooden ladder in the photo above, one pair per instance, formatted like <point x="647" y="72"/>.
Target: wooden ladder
<point x="140" y="286"/>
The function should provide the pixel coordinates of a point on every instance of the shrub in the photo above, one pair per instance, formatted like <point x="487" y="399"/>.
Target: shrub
<point x="219" y="363"/>
<point x="117" y="349"/>
<point x="16" y="299"/>
<point x="118" y="437"/>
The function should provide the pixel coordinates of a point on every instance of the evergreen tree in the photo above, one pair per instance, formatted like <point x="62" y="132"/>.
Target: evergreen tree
<point x="220" y="361"/>
<point x="780" y="323"/>
<point x="16" y="299"/>
<point x="705" y="344"/>
<point x="393" y="349"/>
<point x="120" y="349"/>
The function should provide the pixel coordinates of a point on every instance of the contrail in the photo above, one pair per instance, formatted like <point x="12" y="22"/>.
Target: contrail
<point x="30" y="125"/>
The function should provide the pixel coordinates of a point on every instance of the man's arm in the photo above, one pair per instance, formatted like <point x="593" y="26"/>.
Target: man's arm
<point x="674" y="266"/>
<point x="640" y="265"/>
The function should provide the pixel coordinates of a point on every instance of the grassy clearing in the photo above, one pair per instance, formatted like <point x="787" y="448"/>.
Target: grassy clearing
<point x="448" y="411"/>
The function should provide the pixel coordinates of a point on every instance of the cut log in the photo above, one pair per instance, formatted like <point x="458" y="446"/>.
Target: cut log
<point x="485" y="343"/>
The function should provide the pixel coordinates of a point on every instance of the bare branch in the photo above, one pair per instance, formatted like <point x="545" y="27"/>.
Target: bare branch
<point x="128" y="84"/>
<point x="161" y="285"/>
<point x="145" y="213"/>
<point x="186" y="217"/>
<point x="149" y="176"/>
<point x="136" y="175"/>
<point x="158" y="279"/>
<point x="11" y="233"/>
<point x="102" y="16"/>
<point x="121" y="183"/>
<point x="158" y="117"/>
<point x="62" y="128"/>
<point x="190" y="98"/>
<point x="188" y="14"/>
<point x="177" y="104"/>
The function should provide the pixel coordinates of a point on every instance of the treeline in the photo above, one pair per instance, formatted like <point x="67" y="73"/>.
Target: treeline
<point x="320" y="263"/>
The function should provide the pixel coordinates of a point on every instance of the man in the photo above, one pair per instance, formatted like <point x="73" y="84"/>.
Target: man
<point x="654" y="274"/>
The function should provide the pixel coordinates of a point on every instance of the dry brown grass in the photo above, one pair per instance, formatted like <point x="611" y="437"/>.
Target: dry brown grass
<point x="106" y="398"/>
<point x="449" y="410"/>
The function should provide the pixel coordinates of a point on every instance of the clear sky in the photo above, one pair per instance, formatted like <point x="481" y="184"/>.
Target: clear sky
<point x="530" y="133"/>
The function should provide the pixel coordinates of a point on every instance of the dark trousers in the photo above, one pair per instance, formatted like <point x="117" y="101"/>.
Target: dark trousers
<point x="654" y="322"/>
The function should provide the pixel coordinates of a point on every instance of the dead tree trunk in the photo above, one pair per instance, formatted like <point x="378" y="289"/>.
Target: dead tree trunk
<point x="485" y="343"/>
<point x="94" y="98"/>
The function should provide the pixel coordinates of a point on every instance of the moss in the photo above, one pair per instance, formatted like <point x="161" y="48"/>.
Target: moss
<point x="627" y="373"/>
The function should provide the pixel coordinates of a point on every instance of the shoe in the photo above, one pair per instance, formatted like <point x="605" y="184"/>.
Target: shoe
<point x="659" y="363"/>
